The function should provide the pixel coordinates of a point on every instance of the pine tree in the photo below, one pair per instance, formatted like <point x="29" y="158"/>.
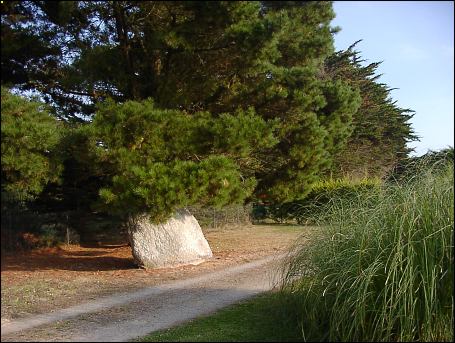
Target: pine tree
<point x="181" y="103"/>
<point x="170" y="104"/>
<point x="164" y="160"/>
<point x="30" y="138"/>
<point x="218" y="57"/>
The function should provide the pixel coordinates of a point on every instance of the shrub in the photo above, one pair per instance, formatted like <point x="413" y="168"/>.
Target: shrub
<point x="324" y="193"/>
<point x="50" y="236"/>
<point x="382" y="272"/>
<point x="308" y="209"/>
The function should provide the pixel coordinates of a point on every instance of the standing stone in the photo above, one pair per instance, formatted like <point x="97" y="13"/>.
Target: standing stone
<point x="178" y="241"/>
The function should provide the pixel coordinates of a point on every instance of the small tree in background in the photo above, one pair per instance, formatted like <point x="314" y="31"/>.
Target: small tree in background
<point x="31" y="160"/>
<point x="30" y="138"/>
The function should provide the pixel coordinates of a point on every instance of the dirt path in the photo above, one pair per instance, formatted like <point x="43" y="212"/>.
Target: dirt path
<point x="41" y="282"/>
<point x="125" y="316"/>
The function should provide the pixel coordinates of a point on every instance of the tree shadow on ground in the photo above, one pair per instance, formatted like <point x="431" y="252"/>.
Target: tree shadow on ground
<point x="95" y="259"/>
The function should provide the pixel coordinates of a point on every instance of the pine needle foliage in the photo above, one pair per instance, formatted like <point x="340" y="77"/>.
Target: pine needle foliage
<point x="216" y="57"/>
<point x="30" y="138"/>
<point x="166" y="159"/>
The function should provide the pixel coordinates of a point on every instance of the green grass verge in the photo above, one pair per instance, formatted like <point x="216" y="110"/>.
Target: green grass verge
<point x="260" y="319"/>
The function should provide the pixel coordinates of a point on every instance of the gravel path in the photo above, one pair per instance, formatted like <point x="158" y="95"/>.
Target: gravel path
<point x="126" y="316"/>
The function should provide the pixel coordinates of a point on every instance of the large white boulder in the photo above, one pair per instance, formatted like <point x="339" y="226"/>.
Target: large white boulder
<point x="177" y="242"/>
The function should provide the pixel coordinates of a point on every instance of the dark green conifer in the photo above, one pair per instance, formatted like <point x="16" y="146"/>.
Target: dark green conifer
<point x="236" y="85"/>
<point x="381" y="129"/>
<point x="30" y="138"/>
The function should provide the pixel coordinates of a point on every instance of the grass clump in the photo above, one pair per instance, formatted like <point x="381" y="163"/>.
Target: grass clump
<point x="382" y="267"/>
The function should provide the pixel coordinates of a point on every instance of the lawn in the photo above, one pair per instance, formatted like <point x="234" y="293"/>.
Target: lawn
<point x="260" y="319"/>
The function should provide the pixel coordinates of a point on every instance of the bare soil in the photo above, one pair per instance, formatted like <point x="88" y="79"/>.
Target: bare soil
<point x="43" y="281"/>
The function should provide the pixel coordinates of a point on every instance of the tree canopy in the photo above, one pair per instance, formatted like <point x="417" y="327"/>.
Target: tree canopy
<point x="166" y="159"/>
<point x="183" y="102"/>
<point x="381" y="129"/>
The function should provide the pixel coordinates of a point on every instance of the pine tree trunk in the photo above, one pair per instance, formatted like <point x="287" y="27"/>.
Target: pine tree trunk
<point x="177" y="242"/>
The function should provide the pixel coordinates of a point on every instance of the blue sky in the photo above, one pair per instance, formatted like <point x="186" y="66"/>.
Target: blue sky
<point x="415" y="41"/>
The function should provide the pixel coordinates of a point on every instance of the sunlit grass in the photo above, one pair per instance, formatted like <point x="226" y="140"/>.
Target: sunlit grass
<point x="382" y="267"/>
<point x="261" y="319"/>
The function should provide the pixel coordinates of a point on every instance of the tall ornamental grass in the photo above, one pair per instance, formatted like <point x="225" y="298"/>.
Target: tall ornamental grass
<point x="381" y="268"/>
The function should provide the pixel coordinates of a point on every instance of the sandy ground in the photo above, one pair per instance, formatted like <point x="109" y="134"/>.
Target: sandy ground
<point x="122" y="317"/>
<point x="96" y="294"/>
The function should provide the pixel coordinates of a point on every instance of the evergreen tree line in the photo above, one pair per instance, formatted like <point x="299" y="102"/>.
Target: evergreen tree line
<point x="129" y="107"/>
